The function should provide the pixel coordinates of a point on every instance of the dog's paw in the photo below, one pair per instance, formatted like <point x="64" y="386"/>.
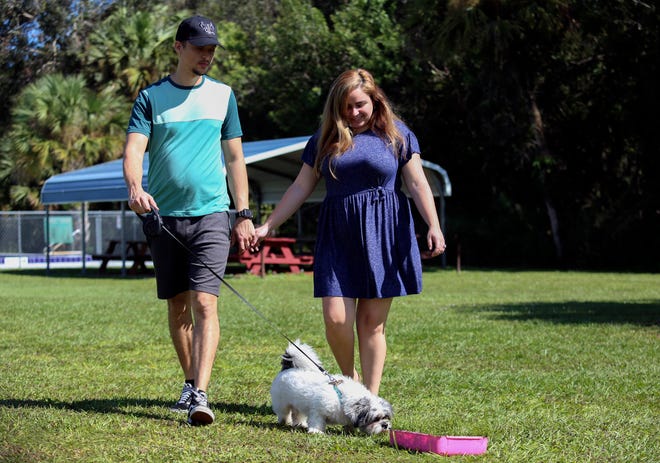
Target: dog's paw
<point x="315" y="431"/>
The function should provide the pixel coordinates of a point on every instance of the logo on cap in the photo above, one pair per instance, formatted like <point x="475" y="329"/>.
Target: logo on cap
<point x="209" y="28"/>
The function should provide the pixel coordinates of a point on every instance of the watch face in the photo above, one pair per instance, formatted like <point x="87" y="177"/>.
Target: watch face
<point x="245" y="213"/>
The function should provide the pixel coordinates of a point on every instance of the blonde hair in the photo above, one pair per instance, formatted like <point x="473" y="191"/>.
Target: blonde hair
<point x="336" y="136"/>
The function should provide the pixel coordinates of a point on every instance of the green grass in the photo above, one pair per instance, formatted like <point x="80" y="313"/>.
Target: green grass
<point x="551" y="366"/>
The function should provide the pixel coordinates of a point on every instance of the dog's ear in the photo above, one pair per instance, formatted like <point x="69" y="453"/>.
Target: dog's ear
<point x="287" y="362"/>
<point x="359" y="411"/>
<point x="387" y="407"/>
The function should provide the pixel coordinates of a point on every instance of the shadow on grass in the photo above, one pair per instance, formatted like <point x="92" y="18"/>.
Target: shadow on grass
<point x="245" y="415"/>
<point x="574" y="312"/>
<point x="144" y="408"/>
<point x="127" y="406"/>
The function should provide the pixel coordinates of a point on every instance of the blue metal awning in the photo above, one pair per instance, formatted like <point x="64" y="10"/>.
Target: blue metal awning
<point x="272" y="166"/>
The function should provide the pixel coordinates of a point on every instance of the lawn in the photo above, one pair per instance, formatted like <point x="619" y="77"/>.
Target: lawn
<point x="550" y="366"/>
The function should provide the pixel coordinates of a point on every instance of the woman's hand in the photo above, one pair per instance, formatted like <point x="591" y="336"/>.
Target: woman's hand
<point x="435" y="241"/>
<point x="261" y="233"/>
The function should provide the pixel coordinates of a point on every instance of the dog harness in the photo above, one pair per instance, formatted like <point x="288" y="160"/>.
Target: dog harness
<point x="334" y="382"/>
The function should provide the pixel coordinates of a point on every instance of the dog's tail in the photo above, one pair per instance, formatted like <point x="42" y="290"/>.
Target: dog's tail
<point x="293" y="358"/>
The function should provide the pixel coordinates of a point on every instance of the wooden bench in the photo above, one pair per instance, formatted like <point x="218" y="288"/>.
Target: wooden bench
<point x="274" y="251"/>
<point x="136" y="251"/>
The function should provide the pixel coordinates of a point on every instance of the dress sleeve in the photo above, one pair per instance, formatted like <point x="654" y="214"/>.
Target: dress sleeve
<point x="411" y="143"/>
<point x="309" y="153"/>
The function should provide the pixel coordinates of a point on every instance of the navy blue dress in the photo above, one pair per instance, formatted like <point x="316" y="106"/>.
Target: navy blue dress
<point x="366" y="246"/>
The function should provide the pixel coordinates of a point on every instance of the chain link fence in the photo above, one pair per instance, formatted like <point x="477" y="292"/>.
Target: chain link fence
<point x="30" y="234"/>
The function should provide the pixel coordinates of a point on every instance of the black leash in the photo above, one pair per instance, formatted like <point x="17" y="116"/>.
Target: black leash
<point x="152" y="225"/>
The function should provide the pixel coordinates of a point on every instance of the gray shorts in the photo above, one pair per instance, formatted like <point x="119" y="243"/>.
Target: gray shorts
<point x="176" y="269"/>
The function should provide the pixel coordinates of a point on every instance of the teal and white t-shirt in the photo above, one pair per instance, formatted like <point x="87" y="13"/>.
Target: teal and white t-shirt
<point x="185" y="126"/>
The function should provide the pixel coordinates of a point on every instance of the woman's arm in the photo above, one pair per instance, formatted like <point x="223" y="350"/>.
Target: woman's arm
<point x="294" y="197"/>
<point x="420" y="190"/>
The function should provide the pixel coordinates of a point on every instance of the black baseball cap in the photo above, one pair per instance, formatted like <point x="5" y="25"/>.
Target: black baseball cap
<point x="197" y="30"/>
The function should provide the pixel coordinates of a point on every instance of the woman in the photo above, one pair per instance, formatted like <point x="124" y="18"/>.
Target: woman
<point x="366" y="252"/>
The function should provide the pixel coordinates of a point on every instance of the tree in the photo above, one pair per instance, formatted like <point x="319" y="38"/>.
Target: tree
<point x="22" y="54"/>
<point x="59" y="125"/>
<point x="606" y="127"/>
<point x="291" y="60"/>
<point x="133" y="48"/>
<point x="40" y="37"/>
<point x="507" y="49"/>
<point x="539" y="106"/>
<point x="365" y="35"/>
<point x="299" y="56"/>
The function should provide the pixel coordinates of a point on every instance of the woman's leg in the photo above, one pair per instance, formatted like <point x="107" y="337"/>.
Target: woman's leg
<point x="371" y="318"/>
<point x="339" y="317"/>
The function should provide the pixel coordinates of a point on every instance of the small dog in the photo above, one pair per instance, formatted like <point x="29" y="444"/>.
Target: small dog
<point x="304" y="396"/>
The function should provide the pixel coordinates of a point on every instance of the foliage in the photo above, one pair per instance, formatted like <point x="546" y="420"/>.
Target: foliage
<point x="20" y="57"/>
<point x="550" y="366"/>
<point x="507" y="49"/>
<point x="605" y="130"/>
<point x="133" y="49"/>
<point x="305" y="50"/>
<point x="546" y="130"/>
<point x="543" y="113"/>
<point x="296" y="51"/>
<point x="40" y="37"/>
<point x="251" y="16"/>
<point x="367" y="37"/>
<point x="233" y="62"/>
<point x="58" y="125"/>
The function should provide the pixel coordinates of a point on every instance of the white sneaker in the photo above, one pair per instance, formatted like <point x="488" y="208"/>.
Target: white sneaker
<point x="199" y="413"/>
<point x="183" y="404"/>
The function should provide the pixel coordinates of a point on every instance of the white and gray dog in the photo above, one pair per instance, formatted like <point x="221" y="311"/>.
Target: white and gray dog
<point x="304" y="396"/>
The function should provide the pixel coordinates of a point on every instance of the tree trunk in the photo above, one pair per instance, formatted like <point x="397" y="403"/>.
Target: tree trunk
<point x="543" y="151"/>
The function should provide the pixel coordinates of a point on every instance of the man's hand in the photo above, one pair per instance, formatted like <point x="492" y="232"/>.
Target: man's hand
<point x="243" y="235"/>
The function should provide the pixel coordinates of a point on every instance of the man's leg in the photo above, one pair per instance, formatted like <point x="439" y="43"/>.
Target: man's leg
<point x="209" y="241"/>
<point x="206" y="335"/>
<point x="181" y="330"/>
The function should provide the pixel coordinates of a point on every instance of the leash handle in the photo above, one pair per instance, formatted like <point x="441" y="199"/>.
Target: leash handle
<point x="152" y="223"/>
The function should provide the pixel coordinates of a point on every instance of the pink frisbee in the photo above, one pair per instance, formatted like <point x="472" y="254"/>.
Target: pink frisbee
<point x="443" y="445"/>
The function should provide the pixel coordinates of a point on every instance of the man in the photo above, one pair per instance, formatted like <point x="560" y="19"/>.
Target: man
<point x="186" y="122"/>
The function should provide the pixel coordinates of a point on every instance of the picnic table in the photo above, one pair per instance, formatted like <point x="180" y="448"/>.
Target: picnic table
<point x="274" y="251"/>
<point x="136" y="251"/>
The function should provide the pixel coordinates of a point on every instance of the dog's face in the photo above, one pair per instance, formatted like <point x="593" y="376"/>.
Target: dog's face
<point x="372" y="415"/>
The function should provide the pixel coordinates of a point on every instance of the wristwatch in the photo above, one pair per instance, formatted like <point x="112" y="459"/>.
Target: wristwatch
<point x="245" y="214"/>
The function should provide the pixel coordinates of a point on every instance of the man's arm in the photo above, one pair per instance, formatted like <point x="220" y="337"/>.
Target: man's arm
<point x="236" y="172"/>
<point x="138" y="200"/>
<point x="243" y="232"/>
